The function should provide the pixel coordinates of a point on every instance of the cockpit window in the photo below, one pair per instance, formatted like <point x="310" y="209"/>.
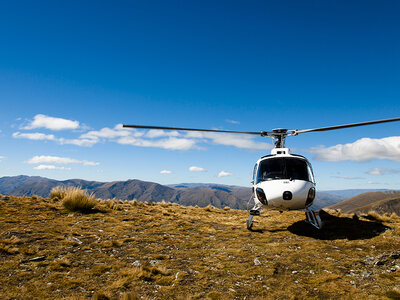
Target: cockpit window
<point x="283" y="168"/>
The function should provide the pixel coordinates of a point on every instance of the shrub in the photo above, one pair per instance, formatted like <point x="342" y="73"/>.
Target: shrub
<point x="58" y="192"/>
<point x="76" y="199"/>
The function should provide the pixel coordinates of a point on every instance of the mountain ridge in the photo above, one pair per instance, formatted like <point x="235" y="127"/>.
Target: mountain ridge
<point x="187" y="194"/>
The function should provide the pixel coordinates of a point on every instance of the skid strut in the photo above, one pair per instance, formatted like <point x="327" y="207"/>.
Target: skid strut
<point x="313" y="218"/>
<point x="249" y="221"/>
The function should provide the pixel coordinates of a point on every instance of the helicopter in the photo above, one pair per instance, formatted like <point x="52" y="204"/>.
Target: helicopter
<point x="281" y="180"/>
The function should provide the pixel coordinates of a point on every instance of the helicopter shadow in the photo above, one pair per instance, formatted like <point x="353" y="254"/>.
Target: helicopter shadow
<point x="339" y="228"/>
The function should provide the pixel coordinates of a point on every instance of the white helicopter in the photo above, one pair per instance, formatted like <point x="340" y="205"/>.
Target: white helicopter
<point x="281" y="180"/>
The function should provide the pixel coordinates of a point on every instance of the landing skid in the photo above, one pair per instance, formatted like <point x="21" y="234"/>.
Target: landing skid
<point x="249" y="221"/>
<point x="313" y="218"/>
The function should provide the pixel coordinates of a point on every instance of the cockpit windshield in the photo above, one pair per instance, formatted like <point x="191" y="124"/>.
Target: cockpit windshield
<point x="284" y="168"/>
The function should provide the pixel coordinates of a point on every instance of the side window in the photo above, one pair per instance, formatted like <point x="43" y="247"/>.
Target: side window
<point x="254" y="173"/>
<point x="311" y="172"/>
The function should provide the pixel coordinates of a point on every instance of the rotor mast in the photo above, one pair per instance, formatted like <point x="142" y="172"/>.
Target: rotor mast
<point x="279" y="135"/>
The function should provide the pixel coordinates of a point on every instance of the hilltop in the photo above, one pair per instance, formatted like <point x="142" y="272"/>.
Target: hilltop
<point x="381" y="201"/>
<point x="130" y="250"/>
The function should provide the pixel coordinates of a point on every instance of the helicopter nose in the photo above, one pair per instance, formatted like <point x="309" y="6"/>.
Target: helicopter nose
<point x="287" y="195"/>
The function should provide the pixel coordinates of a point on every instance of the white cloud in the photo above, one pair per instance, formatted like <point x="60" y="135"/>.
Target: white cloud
<point x="383" y="171"/>
<point x="59" y="160"/>
<point x="1" y="157"/>
<point x="224" y="174"/>
<point x="347" y="177"/>
<point x="34" y="136"/>
<point x="170" y="143"/>
<point x="165" y="172"/>
<point x="196" y="169"/>
<point x="50" y="167"/>
<point x="50" y="137"/>
<point x="230" y="139"/>
<point x="232" y="121"/>
<point x="361" y="150"/>
<point x="155" y="133"/>
<point x="108" y="133"/>
<point x="52" y="123"/>
<point x="77" y="142"/>
<point x="372" y="182"/>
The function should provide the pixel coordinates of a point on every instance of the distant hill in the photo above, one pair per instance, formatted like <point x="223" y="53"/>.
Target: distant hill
<point x="188" y="194"/>
<point x="381" y="201"/>
<point x="201" y="194"/>
<point x="323" y="199"/>
<point x="331" y="197"/>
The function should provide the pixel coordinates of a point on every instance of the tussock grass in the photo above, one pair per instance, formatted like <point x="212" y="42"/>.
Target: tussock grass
<point x="386" y="217"/>
<point x="76" y="199"/>
<point x="115" y="204"/>
<point x="129" y="296"/>
<point x="58" y="192"/>
<point x="209" y="208"/>
<point x="8" y="249"/>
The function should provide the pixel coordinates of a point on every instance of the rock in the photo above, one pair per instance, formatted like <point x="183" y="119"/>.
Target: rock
<point x="72" y="238"/>
<point x="38" y="258"/>
<point x="137" y="263"/>
<point x="257" y="262"/>
<point x="154" y="262"/>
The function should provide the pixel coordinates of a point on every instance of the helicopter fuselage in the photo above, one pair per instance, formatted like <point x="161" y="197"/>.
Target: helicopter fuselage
<point x="283" y="181"/>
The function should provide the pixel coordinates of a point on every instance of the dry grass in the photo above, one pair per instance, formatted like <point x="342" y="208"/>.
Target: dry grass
<point x="58" y="192"/>
<point x="386" y="217"/>
<point x="167" y="251"/>
<point x="76" y="199"/>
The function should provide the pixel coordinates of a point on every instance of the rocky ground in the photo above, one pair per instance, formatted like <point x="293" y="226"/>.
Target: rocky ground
<point x="160" y="251"/>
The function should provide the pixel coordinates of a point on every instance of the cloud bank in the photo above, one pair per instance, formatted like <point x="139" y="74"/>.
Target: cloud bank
<point x="170" y="140"/>
<point x="364" y="149"/>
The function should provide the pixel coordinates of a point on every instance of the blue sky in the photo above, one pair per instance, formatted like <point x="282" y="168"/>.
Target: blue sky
<point x="71" y="72"/>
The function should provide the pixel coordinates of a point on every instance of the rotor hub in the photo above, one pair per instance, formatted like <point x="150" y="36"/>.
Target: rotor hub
<point x="279" y="130"/>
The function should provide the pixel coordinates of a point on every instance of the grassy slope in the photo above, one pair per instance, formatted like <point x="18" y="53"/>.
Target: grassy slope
<point x="48" y="252"/>
<point x="381" y="206"/>
<point x="364" y="200"/>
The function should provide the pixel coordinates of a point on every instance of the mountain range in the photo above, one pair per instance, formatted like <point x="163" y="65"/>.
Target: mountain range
<point x="188" y="194"/>
<point x="185" y="194"/>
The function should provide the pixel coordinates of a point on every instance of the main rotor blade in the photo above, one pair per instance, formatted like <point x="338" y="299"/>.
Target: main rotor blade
<point x="188" y="129"/>
<point x="347" y="125"/>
